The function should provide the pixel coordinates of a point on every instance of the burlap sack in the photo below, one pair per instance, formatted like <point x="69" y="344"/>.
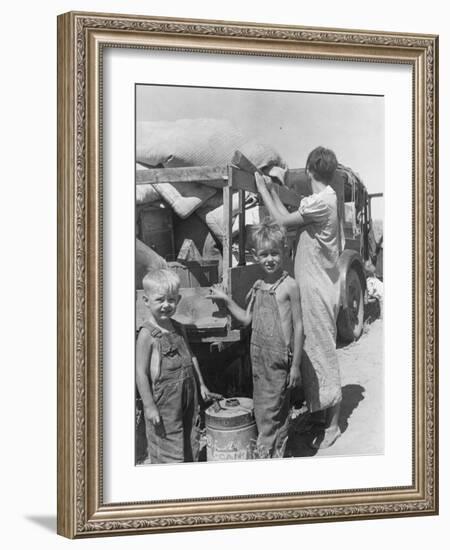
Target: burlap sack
<point x="187" y="142"/>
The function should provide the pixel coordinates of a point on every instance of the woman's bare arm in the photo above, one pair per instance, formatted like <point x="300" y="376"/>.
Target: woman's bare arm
<point x="281" y="216"/>
<point x="277" y="201"/>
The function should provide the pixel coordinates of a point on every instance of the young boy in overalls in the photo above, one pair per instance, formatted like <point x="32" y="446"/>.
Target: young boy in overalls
<point x="167" y="374"/>
<point x="274" y="312"/>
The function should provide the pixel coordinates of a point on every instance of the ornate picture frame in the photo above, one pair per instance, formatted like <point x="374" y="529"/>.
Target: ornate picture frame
<point x="82" y="40"/>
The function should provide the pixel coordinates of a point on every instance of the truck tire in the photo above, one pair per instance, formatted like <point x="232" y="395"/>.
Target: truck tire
<point x="351" y="318"/>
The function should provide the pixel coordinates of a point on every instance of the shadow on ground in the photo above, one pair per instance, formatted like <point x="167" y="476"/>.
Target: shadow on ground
<point x="303" y="429"/>
<point x="352" y="395"/>
<point x="47" y="522"/>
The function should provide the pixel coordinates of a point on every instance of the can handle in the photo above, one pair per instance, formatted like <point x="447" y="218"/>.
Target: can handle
<point x="232" y="402"/>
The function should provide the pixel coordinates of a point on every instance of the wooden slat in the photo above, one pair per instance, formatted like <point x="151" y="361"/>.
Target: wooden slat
<point x="241" y="227"/>
<point x="214" y="176"/>
<point x="246" y="182"/>
<point x="209" y="337"/>
<point x="245" y="179"/>
<point x="227" y="235"/>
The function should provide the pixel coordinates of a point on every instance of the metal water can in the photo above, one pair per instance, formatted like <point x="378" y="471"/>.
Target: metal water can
<point x="231" y="430"/>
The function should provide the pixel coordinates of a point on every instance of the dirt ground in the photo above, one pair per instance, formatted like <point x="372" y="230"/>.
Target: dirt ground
<point x="362" y="410"/>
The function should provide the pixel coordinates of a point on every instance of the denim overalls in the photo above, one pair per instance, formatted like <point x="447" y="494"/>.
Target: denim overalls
<point x="270" y="358"/>
<point x="176" y="437"/>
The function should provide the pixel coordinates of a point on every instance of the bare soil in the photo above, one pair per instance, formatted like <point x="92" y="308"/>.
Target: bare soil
<point x="361" y="418"/>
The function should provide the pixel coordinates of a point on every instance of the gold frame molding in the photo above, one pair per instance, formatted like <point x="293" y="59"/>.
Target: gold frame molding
<point x="81" y="37"/>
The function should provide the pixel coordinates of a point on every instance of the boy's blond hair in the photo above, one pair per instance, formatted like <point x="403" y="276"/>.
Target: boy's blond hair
<point x="268" y="231"/>
<point x="162" y="279"/>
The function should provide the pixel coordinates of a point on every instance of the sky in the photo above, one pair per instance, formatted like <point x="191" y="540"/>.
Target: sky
<point x="294" y="123"/>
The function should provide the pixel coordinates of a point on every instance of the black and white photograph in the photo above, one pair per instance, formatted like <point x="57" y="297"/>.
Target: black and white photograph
<point x="258" y="274"/>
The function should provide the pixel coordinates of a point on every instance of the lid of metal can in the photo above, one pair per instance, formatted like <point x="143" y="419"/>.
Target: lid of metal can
<point x="230" y="413"/>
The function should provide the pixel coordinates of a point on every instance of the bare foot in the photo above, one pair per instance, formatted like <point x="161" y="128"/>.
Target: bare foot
<point x="326" y="438"/>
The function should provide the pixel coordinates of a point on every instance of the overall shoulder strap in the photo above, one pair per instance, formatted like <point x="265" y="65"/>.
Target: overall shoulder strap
<point x="276" y="284"/>
<point x="155" y="331"/>
<point x="251" y="293"/>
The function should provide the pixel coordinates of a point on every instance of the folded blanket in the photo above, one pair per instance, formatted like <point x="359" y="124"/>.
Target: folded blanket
<point x="184" y="198"/>
<point x="213" y="216"/>
<point x="262" y="155"/>
<point x="146" y="193"/>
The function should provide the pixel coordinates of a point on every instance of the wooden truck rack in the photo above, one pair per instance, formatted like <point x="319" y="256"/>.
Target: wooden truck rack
<point x="217" y="325"/>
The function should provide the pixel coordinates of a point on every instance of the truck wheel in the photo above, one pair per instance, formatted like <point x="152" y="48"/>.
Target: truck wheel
<point x="351" y="318"/>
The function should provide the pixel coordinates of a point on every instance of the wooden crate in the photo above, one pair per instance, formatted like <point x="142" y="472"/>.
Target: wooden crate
<point x="196" y="274"/>
<point x="155" y="229"/>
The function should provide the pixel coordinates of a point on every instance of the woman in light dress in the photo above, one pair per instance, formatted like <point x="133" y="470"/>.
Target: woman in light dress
<point x="316" y="271"/>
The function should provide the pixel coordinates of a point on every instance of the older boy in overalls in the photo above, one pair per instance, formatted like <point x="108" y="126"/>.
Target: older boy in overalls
<point x="277" y="338"/>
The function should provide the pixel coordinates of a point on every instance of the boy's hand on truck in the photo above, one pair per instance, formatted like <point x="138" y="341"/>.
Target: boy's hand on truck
<point x="216" y="292"/>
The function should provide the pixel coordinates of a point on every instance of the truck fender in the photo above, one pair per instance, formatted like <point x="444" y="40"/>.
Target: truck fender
<point x="349" y="258"/>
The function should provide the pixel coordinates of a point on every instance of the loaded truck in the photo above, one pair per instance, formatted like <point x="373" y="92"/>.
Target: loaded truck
<point x="187" y="245"/>
<point x="156" y="227"/>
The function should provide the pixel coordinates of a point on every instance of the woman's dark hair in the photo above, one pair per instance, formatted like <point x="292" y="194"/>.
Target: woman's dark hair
<point x="322" y="164"/>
